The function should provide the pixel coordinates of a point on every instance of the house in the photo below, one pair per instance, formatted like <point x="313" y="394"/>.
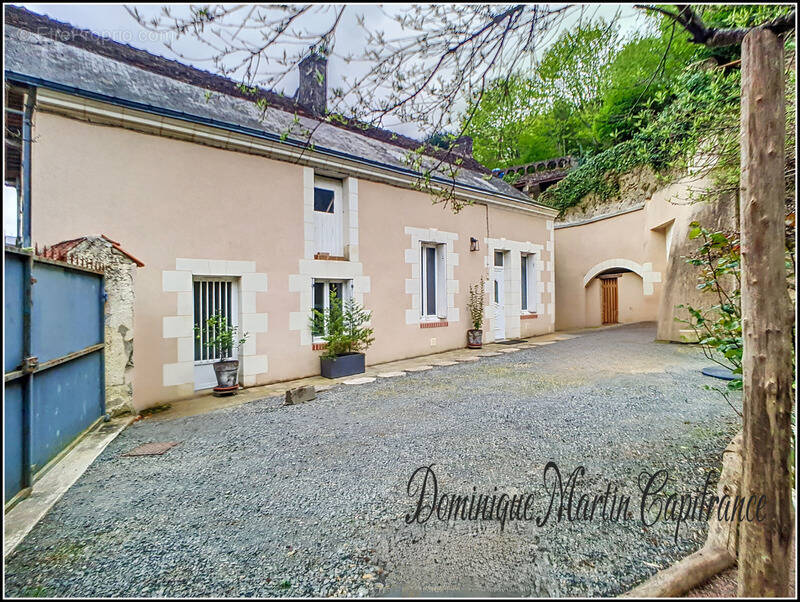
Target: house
<point x="229" y="214"/>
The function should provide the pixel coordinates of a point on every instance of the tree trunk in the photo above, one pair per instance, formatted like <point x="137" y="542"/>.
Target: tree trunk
<point x="764" y="551"/>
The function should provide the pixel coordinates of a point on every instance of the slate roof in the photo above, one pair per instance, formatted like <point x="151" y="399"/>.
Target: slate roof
<point x="57" y="53"/>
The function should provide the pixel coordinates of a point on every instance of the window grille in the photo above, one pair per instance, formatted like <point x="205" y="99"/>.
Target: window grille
<point x="212" y="296"/>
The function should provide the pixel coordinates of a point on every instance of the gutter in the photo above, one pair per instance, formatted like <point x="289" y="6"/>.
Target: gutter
<point x="295" y="144"/>
<point x="24" y="203"/>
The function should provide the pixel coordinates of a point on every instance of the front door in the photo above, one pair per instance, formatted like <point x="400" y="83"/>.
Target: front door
<point x="498" y="296"/>
<point x="610" y="300"/>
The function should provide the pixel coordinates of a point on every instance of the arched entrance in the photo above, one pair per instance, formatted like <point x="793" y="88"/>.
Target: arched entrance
<point x="616" y="294"/>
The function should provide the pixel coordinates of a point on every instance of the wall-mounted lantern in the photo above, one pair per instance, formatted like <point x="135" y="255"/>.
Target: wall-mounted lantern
<point x="473" y="243"/>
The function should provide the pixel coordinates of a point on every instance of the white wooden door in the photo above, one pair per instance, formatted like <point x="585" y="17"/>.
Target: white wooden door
<point x="328" y="217"/>
<point x="498" y="302"/>
<point x="212" y="295"/>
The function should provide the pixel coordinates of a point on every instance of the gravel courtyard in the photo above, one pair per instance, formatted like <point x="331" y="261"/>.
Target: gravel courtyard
<point x="311" y="500"/>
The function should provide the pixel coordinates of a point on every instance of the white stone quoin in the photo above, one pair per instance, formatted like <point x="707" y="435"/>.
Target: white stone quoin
<point x="414" y="284"/>
<point x="181" y="325"/>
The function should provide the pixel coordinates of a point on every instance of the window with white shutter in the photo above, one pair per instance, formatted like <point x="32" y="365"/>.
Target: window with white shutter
<point x="433" y="281"/>
<point x="328" y="217"/>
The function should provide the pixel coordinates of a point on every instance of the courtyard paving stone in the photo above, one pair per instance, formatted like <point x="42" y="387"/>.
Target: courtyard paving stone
<point x="390" y="374"/>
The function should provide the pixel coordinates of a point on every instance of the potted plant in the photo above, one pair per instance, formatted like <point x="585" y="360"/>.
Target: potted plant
<point x="343" y="327"/>
<point x="219" y="337"/>
<point x="475" y="308"/>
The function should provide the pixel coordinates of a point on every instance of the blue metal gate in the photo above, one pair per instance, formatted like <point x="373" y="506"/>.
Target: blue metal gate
<point x="54" y="361"/>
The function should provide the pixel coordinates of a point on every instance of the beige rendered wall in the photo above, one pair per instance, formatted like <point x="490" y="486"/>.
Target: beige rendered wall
<point x="168" y="201"/>
<point x="633" y="304"/>
<point x="593" y="301"/>
<point x="580" y="248"/>
<point x="637" y="240"/>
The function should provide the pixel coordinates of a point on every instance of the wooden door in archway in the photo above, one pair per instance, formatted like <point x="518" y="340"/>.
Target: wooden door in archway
<point x="610" y="300"/>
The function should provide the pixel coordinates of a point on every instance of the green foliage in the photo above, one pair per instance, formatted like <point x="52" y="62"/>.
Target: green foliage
<point x="442" y="140"/>
<point x="219" y="335"/>
<point x="696" y="105"/>
<point x="499" y="118"/>
<point x="475" y="303"/>
<point x="639" y="73"/>
<point x="732" y="16"/>
<point x="530" y="117"/>
<point x="344" y="325"/>
<point x="593" y="90"/>
<point x="573" y="70"/>
<point x="719" y="326"/>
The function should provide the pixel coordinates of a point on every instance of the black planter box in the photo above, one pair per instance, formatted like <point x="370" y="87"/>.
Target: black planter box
<point x="342" y="365"/>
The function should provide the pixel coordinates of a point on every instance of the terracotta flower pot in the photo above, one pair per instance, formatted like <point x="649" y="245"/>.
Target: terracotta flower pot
<point x="474" y="338"/>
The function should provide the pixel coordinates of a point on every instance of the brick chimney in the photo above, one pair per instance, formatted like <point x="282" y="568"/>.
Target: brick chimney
<point x="463" y="146"/>
<point x="312" y="92"/>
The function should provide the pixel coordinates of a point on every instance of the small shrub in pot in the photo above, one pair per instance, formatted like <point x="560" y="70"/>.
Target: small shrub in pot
<point x="345" y="330"/>
<point x="475" y="308"/>
<point x="220" y="337"/>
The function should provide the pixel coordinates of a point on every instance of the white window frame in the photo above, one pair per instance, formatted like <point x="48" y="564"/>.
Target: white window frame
<point x="347" y="293"/>
<point x="440" y="279"/>
<point x="233" y="301"/>
<point x="336" y="220"/>
<point x="529" y="284"/>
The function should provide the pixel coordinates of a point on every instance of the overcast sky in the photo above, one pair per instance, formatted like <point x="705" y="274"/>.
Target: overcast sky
<point x="113" y="21"/>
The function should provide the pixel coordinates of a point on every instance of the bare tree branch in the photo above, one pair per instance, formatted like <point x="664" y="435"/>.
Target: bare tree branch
<point x="714" y="37"/>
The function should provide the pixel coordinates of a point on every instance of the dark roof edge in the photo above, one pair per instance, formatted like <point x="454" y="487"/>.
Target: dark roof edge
<point x="598" y="218"/>
<point x="152" y="109"/>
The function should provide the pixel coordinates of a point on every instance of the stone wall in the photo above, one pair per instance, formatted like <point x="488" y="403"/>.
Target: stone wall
<point x="680" y="277"/>
<point x="120" y="272"/>
<point x="635" y="188"/>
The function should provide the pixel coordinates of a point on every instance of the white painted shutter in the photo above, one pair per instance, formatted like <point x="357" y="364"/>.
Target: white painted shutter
<point x="533" y="278"/>
<point x="329" y="226"/>
<point x="441" y="281"/>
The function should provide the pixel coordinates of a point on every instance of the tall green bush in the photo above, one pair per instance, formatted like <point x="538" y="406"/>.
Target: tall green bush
<point x="345" y="327"/>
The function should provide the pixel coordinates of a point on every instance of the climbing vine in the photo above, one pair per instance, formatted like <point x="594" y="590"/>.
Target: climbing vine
<point x="698" y="112"/>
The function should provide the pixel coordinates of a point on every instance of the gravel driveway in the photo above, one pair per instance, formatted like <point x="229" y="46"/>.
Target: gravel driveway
<point x="311" y="500"/>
